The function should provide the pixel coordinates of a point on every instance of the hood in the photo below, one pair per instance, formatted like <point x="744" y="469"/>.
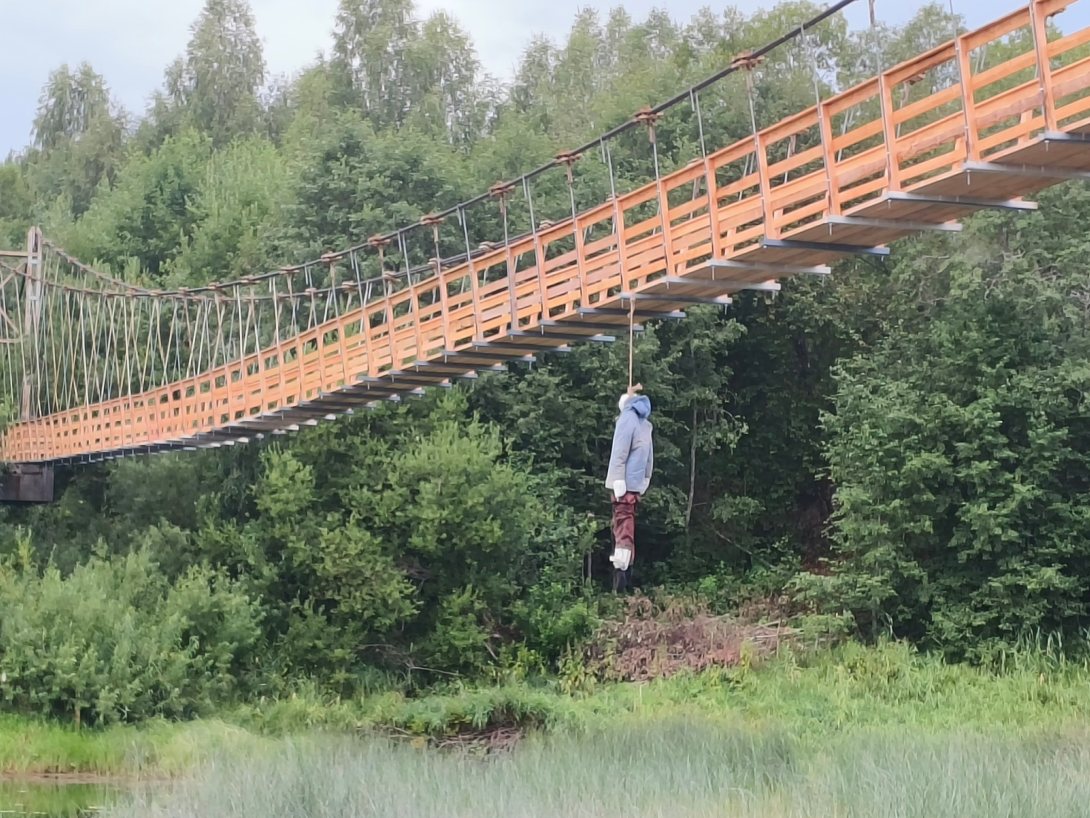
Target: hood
<point x="641" y="405"/>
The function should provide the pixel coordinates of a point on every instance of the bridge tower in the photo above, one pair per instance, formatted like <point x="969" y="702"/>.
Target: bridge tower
<point x="27" y="482"/>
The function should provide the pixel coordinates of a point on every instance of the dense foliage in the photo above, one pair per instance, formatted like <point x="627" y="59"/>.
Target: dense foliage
<point x="906" y="445"/>
<point x="116" y="639"/>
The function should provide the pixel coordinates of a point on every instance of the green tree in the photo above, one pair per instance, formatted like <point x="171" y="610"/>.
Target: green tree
<point x="147" y="214"/>
<point x="444" y="75"/>
<point x="71" y="103"/>
<point x="16" y="205"/>
<point x="79" y="135"/>
<point x="115" y="640"/>
<point x="371" y="39"/>
<point x="959" y="447"/>
<point x="216" y="83"/>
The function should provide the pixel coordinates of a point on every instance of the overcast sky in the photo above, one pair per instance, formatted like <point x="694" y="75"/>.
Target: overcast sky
<point x="130" y="42"/>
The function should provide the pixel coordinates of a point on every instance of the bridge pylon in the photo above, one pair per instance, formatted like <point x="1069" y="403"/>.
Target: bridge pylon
<point x="27" y="482"/>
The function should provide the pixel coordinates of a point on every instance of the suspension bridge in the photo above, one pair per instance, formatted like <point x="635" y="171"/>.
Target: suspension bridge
<point x="97" y="367"/>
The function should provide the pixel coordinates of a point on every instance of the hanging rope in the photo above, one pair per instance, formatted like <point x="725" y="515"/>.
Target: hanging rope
<point x="500" y="191"/>
<point x="631" y="338"/>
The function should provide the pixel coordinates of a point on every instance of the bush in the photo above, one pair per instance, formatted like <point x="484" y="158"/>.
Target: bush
<point x="510" y="707"/>
<point x="409" y="544"/>
<point x="117" y="641"/>
<point x="960" y="453"/>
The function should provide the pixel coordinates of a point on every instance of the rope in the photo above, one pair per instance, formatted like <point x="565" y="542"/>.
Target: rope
<point x="539" y="254"/>
<point x="474" y="282"/>
<point x="631" y="338"/>
<point x="511" y="273"/>
<point x="11" y="333"/>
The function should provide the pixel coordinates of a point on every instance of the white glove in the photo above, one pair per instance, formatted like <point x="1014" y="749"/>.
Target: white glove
<point x="619" y="489"/>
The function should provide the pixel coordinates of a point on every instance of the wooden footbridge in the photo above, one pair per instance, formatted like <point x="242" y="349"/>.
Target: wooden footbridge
<point x="99" y="368"/>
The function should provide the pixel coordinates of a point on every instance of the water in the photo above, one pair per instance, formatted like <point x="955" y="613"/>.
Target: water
<point x="47" y="798"/>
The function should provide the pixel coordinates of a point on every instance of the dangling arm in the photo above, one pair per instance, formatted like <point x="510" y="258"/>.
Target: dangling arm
<point x="650" y="459"/>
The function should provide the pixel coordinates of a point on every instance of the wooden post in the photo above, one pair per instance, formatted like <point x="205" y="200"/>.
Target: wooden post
<point x="712" y="188"/>
<point x="379" y="243"/>
<point x="568" y="160"/>
<point x="444" y="303"/>
<point x="539" y="255"/>
<point x="825" y="128"/>
<point x="1044" y="64"/>
<point x="649" y="119"/>
<point x="747" y="62"/>
<point x="499" y="191"/>
<point x="889" y="132"/>
<point x="474" y="284"/>
<point x="968" y="104"/>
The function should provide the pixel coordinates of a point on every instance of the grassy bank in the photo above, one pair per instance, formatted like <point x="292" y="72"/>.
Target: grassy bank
<point x="682" y="768"/>
<point x="153" y="749"/>
<point x="811" y="698"/>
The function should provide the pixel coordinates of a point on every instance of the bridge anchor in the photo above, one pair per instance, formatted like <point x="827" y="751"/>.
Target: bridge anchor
<point x="26" y="483"/>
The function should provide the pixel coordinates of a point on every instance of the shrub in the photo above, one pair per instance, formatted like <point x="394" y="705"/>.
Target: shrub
<point x="115" y="640"/>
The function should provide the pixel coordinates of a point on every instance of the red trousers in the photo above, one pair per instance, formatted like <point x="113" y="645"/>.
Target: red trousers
<point x="624" y="522"/>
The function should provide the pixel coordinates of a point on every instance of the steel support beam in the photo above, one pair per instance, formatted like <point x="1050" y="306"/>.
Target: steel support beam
<point x="1063" y="136"/>
<point x="573" y="336"/>
<point x="727" y="286"/>
<point x="718" y="300"/>
<point x="960" y="201"/>
<point x="894" y="224"/>
<point x="825" y="246"/>
<point x="404" y="377"/>
<point x="1030" y="171"/>
<point x="378" y="390"/>
<point x="593" y="327"/>
<point x="757" y="286"/>
<point x="514" y="355"/>
<point x="511" y="350"/>
<point x="734" y="266"/>
<point x="620" y="312"/>
<point x="452" y="372"/>
<point x="509" y="347"/>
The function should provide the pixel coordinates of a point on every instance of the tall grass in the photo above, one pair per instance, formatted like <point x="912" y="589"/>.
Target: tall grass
<point x="678" y="768"/>
<point x="812" y="697"/>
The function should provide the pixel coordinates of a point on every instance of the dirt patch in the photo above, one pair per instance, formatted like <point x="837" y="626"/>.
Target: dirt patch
<point x="653" y="641"/>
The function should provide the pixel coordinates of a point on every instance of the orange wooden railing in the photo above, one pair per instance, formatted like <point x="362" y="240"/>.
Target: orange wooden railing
<point x="978" y="139"/>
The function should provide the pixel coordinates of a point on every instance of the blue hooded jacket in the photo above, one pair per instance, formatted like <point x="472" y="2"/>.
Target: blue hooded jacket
<point x="633" y="455"/>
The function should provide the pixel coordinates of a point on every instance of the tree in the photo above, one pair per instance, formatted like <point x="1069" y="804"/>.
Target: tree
<point x="959" y="447"/>
<point x="147" y="214"/>
<point x="16" y="205"/>
<point x="447" y="532"/>
<point x="443" y="77"/>
<point x="217" y="82"/>
<point x="79" y="133"/>
<point x="70" y="105"/>
<point x="234" y="209"/>
<point x="351" y="182"/>
<point x="371" y="39"/>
